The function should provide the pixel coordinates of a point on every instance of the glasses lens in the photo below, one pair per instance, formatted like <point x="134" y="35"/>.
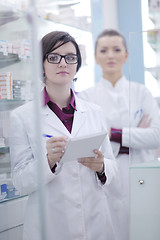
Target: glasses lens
<point x="71" y="59"/>
<point x="56" y="58"/>
<point x="53" y="58"/>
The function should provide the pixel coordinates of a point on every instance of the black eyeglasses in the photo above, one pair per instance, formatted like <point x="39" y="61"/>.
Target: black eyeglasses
<point x="55" y="58"/>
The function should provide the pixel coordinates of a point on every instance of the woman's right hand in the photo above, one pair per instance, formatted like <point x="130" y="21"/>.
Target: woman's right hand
<point x="55" y="149"/>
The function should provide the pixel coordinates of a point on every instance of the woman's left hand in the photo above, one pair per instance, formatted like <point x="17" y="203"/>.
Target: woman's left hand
<point x="95" y="163"/>
<point x="145" y="122"/>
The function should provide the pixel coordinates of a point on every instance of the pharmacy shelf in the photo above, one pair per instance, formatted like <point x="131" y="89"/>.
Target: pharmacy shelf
<point x="8" y="16"/>
<point x="151" y="37"/>
<point x="8" y="60"/>
<point x="155" y="46"/>
<point x="7" y="105"/>
<point x="4" y="149"/>
<point x="155" y="71"/>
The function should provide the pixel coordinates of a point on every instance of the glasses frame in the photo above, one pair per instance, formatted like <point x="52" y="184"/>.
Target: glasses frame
<point x="62" y="56"/>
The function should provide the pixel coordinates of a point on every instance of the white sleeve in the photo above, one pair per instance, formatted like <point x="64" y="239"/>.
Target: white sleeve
<point x="144" y="138"/>
<point x="24" y="164"/>
<point x="109" y="161"/>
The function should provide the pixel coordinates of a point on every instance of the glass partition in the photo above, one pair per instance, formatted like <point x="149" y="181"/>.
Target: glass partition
<point x="15" y="83"/>
<point x="73" y="17"/>
<point x="144" y="136"/>
<point x="20" y="81"/>
<point x="144" y="103"/>
<point x="23" y="160"/>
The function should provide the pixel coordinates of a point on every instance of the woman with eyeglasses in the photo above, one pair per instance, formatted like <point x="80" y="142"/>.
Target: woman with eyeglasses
<point x="76" y="206"/>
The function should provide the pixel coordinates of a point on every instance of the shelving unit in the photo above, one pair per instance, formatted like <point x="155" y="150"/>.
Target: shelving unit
<point x="151" y="42"/>
<point x="15" y="90"/>
<point x="10" y="104"/>
<point x="15" y="83"/>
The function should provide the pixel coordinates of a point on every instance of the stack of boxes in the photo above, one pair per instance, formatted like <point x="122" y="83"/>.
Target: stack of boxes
<point x="153" y="37"/>
<point x="6" y="85"/>
<point x="18" y="90"/>
<point x="11" y="89"/>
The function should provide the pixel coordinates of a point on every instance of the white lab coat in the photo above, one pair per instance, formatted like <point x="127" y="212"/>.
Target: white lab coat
<point x="123" y="106"/>
<point x="76" y="205"/>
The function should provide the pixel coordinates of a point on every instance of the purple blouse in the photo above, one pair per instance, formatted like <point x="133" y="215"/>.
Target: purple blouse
<point x="66" y="114"/>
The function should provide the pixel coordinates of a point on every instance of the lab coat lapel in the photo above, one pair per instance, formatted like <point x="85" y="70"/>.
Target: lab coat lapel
<point x="53" y="122"/>
<point x="79" y="117"/>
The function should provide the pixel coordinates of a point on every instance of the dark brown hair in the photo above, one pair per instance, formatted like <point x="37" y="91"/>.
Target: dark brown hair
<point x="54" y="40"/>
<point x="111" y="33"/>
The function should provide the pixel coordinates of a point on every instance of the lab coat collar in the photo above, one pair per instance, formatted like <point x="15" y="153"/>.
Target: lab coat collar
<point x="79" y="103"/>
<point x="79" y="116"/>
<point x="119" y="85"/>
<point x="78" y="121"/>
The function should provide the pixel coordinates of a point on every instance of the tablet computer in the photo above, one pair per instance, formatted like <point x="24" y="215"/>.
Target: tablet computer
<point x="80" y="147"/>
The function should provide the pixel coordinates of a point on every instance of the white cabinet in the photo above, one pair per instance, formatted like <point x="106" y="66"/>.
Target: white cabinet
<point x="145" y="201"/>
<point x="12" y="219"/>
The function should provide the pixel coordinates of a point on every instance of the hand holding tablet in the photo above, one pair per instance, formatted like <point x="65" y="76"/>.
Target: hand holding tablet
<point x="80" y="147"/>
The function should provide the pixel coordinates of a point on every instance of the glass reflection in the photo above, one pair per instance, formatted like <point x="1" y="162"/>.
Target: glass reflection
<point x="145" y="139"/>
<point x="132" y="116"/>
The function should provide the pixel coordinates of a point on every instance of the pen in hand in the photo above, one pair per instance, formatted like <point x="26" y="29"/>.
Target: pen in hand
<point x="47" y="135"/>
<point x="62" y="138"/>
